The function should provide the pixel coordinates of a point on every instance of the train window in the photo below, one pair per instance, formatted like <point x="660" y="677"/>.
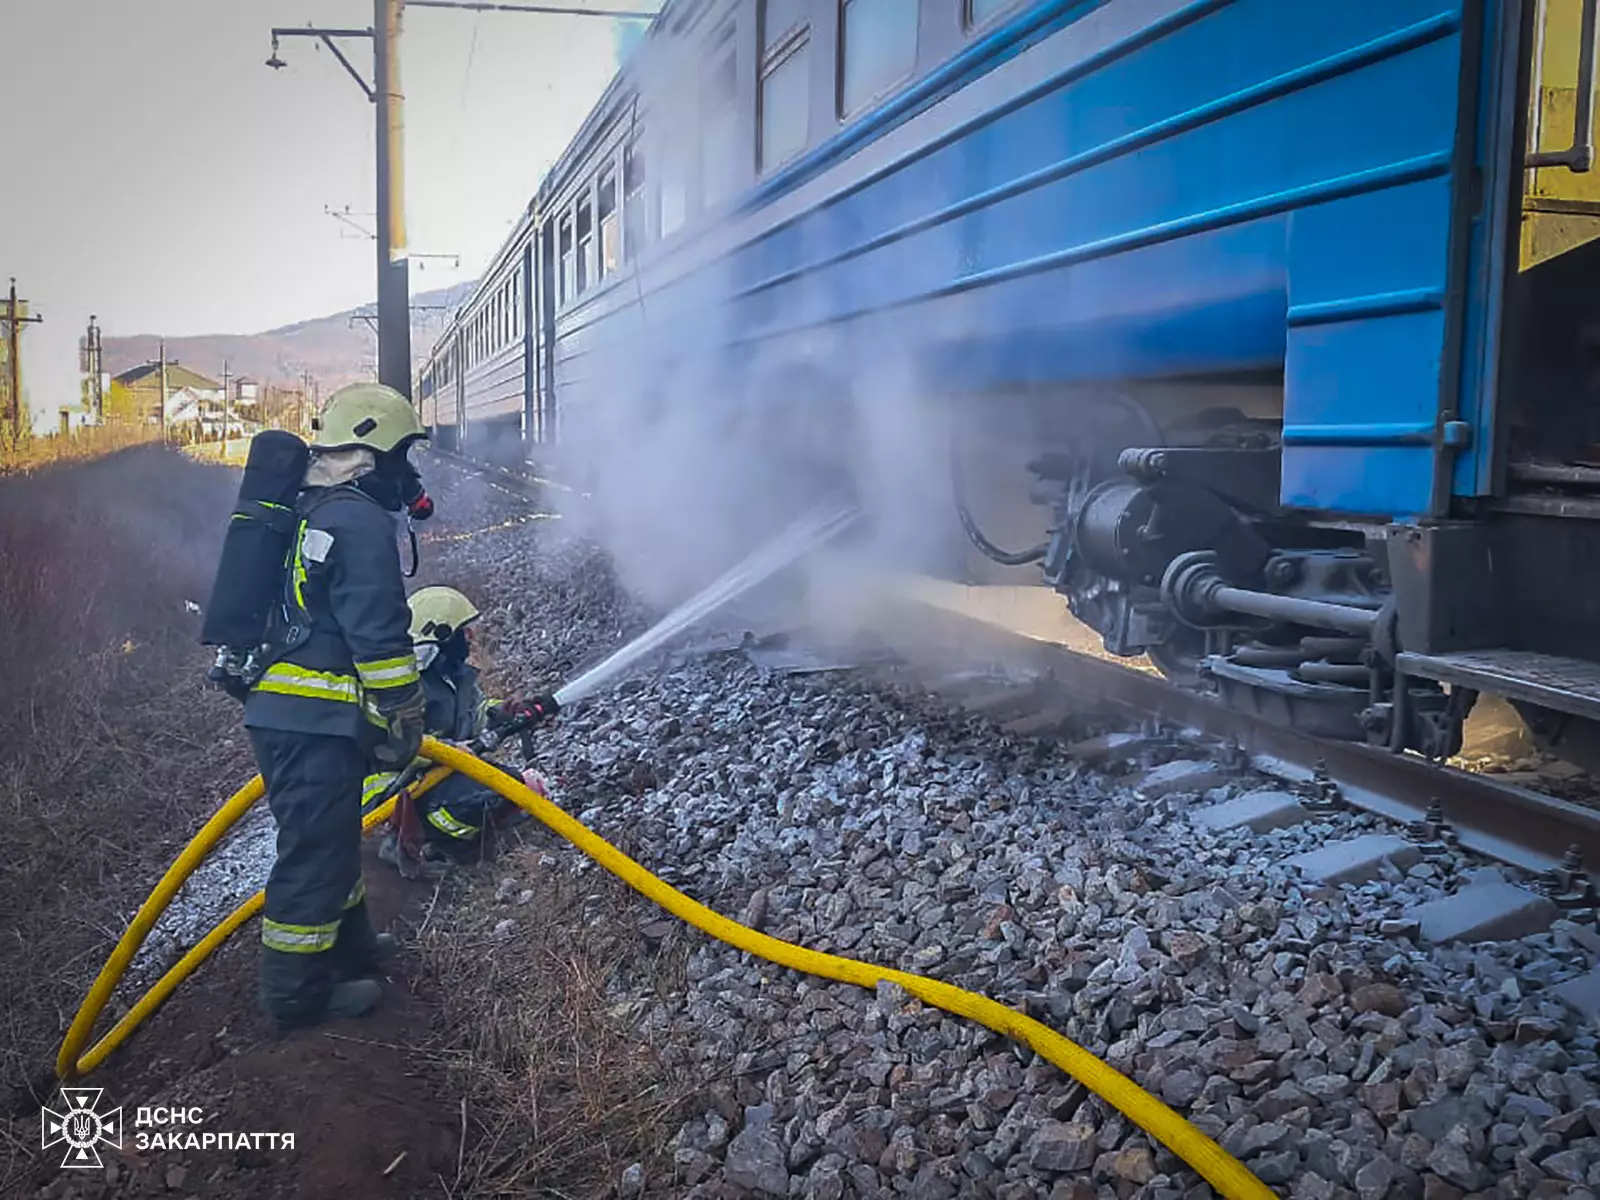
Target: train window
<point x="783" y="100"/>
<point x="585" y="241"/>
<point x="877" y="48"/>
<point x="981" y="12"/>
<point x="569" y="277"/>
<point x="780" y="18"/>
<point x="784" y="103"/>
<point x="674" y="196"/>
<point x="635" y="227"/>
<point x="719" y="144"/>
<point x="610" y="229"/>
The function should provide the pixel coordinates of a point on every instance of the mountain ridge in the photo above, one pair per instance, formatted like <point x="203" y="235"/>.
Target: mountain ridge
<point x="334" y="349"/>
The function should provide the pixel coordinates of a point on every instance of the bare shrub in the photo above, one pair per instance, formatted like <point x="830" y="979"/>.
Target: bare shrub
<point x="566" y="1089"/>
<point x="114" y="750"/>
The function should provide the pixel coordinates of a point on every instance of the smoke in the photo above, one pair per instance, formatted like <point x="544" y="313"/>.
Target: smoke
<point x="696" y="448"/>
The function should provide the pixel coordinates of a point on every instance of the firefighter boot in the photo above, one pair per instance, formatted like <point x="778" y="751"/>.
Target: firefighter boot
<point x="298" y="990"/>
<point x="360" y="951"/>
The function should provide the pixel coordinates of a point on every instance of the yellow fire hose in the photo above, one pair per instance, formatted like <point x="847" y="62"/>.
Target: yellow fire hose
<point x="69" y="1065"/>
<point x="1215" y="1165"/>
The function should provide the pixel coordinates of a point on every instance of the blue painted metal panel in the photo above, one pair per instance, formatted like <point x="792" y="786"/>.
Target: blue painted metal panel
<point x="1247" y="184"/>
<point x="1379" y="264"/>
<point x="1493" y="238"/>
<point x="1374" y="382"/>
<point x="1209" y="71"/>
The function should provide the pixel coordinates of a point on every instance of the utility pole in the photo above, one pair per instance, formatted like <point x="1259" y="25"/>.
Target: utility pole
<point x="225" y="408"/>
<point x="394" y="285"/>
<point x="163" y="391"/>
<point x="394" y="295"/>
<point x="90" y="363"/>
<point x="394" y="288"/>
<point x="16" y="317"/>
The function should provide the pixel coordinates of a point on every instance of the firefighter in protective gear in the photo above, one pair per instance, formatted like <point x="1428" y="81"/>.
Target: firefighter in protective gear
<point x="455" y="812"/>
<point x="342" y="690"/>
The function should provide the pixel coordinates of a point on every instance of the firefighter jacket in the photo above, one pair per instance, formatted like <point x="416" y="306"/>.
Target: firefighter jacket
<point x="343" y="627"/>
<point x="457" y="712"/>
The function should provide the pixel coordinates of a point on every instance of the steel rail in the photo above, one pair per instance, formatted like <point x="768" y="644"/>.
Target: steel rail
<point x="1499" y="820"/>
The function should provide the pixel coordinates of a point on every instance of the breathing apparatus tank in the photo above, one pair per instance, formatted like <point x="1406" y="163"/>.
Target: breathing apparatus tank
<point x="255" y="554"/>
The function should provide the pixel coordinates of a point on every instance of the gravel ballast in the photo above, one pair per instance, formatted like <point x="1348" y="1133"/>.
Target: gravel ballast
<point x="1302" y="1026"/>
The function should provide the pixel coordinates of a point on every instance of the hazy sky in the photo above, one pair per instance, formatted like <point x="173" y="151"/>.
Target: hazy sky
<point x="154" y="171"/>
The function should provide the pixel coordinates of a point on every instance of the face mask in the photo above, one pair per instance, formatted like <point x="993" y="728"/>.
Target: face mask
<point x="395" y="484"/>
<point x="426" y="653"/>
<point x="457" y="647"/>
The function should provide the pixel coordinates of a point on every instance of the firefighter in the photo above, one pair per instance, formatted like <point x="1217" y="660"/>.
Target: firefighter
<point x="454" y="813"/>
<point x="341" y="691"/>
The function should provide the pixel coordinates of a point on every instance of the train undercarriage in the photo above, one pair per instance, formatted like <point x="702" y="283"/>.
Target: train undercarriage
<point x="1167" y="538"/>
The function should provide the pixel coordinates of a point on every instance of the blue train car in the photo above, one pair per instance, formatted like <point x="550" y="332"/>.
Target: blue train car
<point x="1245" y="289"/>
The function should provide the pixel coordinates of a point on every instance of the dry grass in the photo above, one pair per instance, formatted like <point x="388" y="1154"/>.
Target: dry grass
<point x="563" y="1089"/>
<point x="113" y="748"/>
<point x="92" y="441"/>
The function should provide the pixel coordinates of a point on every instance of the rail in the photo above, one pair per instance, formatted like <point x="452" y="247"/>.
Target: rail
<point x="1499" y="820"/>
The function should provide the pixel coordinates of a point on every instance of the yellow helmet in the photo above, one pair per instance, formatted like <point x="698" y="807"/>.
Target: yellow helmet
<point x="366" y="414"/>
<point x="438" y="612"/>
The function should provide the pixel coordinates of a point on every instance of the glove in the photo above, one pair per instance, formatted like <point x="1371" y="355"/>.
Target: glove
<point x="404" y="717"/>
<point x="532" y="711"/>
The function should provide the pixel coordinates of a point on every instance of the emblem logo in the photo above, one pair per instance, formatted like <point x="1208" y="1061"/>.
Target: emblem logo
<point x="81" y="1127"/>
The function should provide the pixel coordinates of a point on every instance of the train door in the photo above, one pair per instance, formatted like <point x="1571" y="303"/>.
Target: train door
<point x="530" y="348"/>
<point x="1530" y="387"/>
<point x="461" y="397"/>
<point x="1561" y="200"/>
<point x="547" y="334"/>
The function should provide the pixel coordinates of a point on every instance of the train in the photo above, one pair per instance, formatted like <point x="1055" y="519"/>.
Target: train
<point x="1267" y="334"/>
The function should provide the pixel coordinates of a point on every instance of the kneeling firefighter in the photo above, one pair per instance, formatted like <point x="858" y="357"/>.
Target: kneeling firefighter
<point x="332" y="686"/>
<point x="446" y="823"/>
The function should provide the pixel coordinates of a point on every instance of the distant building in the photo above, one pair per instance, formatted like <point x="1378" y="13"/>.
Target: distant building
<point x="73" y="417"/>
<point x="193" y="399"/>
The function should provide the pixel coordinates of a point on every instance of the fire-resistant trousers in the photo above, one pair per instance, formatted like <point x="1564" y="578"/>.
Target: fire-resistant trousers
<point x="315" y="929"/>
<point x="455" y="811"/>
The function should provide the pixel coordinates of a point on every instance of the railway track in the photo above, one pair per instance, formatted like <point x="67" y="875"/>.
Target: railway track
<point x="1267" y="930"/>
<point x="1371" y="813"/>
<point x="1537" y="833"/>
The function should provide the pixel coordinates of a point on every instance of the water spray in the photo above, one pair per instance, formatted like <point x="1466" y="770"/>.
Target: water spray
<point x="794" y="543"/>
